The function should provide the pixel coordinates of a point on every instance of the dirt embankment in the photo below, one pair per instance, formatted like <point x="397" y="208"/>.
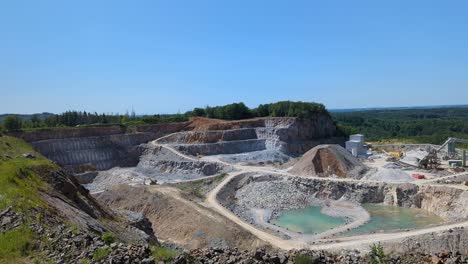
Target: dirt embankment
<point x="179" y="220"/>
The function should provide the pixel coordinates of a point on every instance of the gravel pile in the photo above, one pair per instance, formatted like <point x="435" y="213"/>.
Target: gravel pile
<point x="329" y="160"/>
<point x="388" y="175"/>
<point x="413" y="156"/>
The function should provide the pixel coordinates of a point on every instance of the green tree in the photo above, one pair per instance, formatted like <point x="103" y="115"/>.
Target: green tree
<point x="12" y="123"/>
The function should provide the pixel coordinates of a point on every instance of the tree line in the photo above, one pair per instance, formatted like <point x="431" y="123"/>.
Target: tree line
<point x="238" y="111"/>
<point x="234" y="111"/>
<point x="417" y="125"/>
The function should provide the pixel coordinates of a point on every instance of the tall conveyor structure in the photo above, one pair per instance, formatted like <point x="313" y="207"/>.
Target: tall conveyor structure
<point x="431" y="159"/>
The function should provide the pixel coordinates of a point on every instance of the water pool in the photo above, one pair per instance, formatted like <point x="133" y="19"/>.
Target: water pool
<point x="383" y="219"/>
<point x="308" y="220"/>
<point x="391" y="218"/>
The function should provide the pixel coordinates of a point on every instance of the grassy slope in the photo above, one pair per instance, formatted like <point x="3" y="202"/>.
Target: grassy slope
<point x="19" y="189"/>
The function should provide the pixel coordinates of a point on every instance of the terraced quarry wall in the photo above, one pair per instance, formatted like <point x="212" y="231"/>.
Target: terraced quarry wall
<point x="96" y="148"/>
<point x="289" y="135"/>
<point x="100" y="148"/>
<point x="94" y="153"/>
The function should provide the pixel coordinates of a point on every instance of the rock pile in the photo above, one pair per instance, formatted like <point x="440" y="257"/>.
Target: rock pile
<point x="231" y="256"/>
<point x="60" y="243"/>
<point x="329" y="160"/>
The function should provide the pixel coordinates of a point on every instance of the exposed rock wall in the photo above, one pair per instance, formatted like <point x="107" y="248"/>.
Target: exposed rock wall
<point x="69" y="132"/>
<point x="101" y="148"/>
<point x="212" y="136"/>
<point x="227" y="147"/>
<point x="94" y="153"/>
<point x="292" y="136"/>
<point x="96" y="148"/>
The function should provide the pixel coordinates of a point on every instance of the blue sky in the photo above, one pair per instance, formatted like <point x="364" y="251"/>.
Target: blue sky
<point x="169" y="56"/>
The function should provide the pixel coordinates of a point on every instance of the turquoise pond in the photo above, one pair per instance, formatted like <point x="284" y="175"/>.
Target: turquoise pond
<point x="308" y="220"/>
<point x="383" y="218"/>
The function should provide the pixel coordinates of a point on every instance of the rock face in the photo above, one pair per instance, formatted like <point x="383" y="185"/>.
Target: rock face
<point x="101" y="148"/>
<point x="93" y="153"/>
<point x="96" y="148"/>
<point x="329" y="160"/>
<point x="292" y="136"/>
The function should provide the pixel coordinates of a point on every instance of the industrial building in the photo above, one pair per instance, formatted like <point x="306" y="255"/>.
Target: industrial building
<point x="357" y="147"/>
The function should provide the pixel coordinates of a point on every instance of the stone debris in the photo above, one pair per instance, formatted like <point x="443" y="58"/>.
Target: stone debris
<point x="388" y="175"/>
<point x="234" y="255"/>
<point x="28" y="156"/>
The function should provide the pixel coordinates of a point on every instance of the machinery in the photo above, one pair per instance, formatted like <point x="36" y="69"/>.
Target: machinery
<point x="450" y="144"/>
<point x="396" y="154"/>
<point x="431" y="160"/>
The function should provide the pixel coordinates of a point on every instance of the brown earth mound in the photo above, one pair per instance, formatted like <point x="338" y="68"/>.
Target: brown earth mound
<point x="328" y="160"/>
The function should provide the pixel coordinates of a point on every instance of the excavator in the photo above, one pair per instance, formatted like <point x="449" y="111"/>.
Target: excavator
<point x="432" y="161"/>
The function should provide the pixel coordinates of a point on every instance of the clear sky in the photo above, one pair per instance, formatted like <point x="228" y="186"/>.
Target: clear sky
<point x="169" y="56"/>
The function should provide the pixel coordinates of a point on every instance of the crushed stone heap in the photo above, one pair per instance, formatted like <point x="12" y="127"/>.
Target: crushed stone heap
<point x="329" y="160"/>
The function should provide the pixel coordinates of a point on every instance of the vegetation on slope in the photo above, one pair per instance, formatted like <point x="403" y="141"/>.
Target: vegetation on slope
<point x="19" y="190"/>
<point x="19" y="183"/>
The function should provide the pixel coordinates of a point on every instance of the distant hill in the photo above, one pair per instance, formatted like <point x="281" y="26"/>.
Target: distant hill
<point x="27" y="117"/>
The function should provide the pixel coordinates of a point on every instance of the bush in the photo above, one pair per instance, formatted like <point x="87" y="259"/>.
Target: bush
<point x="377" y="254"/>
<point x="108" y="238"/>
<point x="101" y="253"/>
<point x="163" y="254"/>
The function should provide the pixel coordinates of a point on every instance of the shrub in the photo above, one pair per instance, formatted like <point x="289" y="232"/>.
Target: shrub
<point x="101" y="253"/>
<point x="377" y="254"/>
<point x="163" y="254"/>
<point x="108" y="238"/>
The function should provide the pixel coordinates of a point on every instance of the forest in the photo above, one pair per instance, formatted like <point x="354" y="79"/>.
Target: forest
<point x="432" y="125"/>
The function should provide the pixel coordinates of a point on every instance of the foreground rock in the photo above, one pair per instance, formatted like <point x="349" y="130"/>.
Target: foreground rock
<point x="218" y="255"/>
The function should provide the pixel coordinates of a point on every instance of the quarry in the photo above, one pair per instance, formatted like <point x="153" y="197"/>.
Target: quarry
<point x="274" y="183"/>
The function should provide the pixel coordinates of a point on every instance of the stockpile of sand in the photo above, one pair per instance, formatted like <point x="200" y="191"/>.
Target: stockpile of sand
<point x="329" y="160"/>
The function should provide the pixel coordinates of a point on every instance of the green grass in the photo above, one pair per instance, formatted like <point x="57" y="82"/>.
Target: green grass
<point x="108" y="238"/>
<point x="163" y="254"/>
<point x="101" y="253"/>
<point x="302" y="259"/>
<point x="19" y="183"/>
<point x="16" y="244"/>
